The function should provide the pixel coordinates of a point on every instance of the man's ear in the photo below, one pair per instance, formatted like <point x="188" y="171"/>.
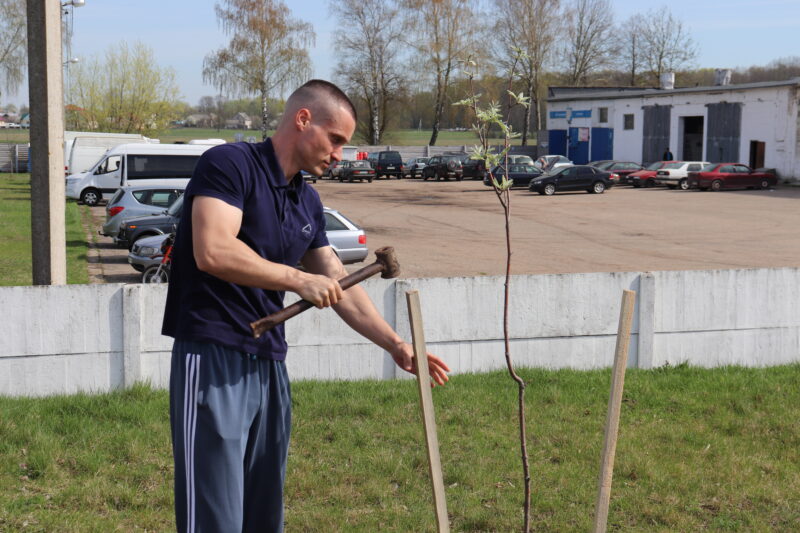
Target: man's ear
<point x="302" y="118"/>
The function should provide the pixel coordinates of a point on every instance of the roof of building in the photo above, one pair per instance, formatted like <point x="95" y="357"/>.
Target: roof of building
<point x="567" y="94"/>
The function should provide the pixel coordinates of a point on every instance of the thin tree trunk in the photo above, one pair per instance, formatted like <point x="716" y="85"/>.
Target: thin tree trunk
<point x="263" y="113"/>
<point x="526" y="120"/>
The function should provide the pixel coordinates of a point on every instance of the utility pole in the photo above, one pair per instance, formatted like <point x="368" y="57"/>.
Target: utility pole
<point x="46" y="97"/>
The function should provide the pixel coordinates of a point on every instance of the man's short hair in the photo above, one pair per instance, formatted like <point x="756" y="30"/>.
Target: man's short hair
<point x="311" y="92"/>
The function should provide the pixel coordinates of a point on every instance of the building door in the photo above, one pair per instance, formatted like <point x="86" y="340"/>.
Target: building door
<point x="692" y="142"/>
<point x="757" y="149"/>
<point x="724" y="132"/>
<point x="655" y="127"/>
<point x="558" y="142"/>
<point x="602" y="144"/>
<point x="578" y="146"/>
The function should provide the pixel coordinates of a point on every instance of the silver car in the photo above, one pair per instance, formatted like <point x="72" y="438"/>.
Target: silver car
<point x="137" y="201"/>
<point x="347" y="239"/>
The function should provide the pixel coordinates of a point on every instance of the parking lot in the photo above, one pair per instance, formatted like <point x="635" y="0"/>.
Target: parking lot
<point x="444" y="229"/>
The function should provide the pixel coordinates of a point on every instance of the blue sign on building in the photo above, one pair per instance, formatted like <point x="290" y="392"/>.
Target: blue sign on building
<point x="558" y="114"/>
<point x="582" y="113"/>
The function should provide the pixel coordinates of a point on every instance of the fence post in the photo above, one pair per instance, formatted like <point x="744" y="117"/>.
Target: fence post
<point x="132" y="329"/>
<point x="647" y="318"/>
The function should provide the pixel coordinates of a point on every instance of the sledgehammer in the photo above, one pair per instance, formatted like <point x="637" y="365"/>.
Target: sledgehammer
<point x="385" y="263"/>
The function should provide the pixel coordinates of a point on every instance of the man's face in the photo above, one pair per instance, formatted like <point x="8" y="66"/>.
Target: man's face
<point x="323" y="140"/>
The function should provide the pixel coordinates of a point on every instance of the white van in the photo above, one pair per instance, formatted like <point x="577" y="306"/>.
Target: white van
<point x="82" y="149"/>
<point x="135" y="164"/>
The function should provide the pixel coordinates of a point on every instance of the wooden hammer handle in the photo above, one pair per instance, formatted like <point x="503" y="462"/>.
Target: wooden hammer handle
<point x="270" y="321"/>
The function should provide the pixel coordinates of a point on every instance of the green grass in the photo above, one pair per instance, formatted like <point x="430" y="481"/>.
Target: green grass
<point x="713" y="450"/>
<point x="445" y="138"/>
<point x="14" y="136"/>
<point x="15" y="234"/>
<point x="409" y="137"/>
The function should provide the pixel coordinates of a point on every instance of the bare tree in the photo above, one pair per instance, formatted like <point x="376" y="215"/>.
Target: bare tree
<point x="631" y="55"/>
<point x="13" y="47"/>
<point x="125" y="92"/>
<point x="368" y="50"/>
<point x="667" y="44"/>
<point x="590" y="38"/>
<point x="530" y="27"/>
<point x="444" y="32"/>
<point x="267" y="51"/>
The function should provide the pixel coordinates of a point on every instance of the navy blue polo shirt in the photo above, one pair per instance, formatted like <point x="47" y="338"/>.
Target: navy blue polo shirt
<point x="280" y="221"/>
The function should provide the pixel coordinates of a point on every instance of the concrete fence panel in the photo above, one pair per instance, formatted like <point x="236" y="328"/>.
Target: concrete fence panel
<point x="97" y="338"/>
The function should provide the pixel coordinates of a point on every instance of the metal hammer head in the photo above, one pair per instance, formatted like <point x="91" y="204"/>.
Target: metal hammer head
<point x="385" y="256"/>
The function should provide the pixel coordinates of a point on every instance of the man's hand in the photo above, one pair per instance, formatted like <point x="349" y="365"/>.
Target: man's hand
<point x="321" y="291"/>
<point x="403" y="355"/>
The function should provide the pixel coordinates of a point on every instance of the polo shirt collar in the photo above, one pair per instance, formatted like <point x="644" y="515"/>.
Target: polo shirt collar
<point x="275" y="176"/>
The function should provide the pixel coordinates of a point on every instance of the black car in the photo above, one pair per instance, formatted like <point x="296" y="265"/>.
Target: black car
<point x="472" y="168"/>
<point x="387" y="163"/>
<point x="621" y="168"/>
<point x="521" y="174"/>
<point x="443" y="166"/>
<point x="575" y="178"/>
<point x="133" y="229"/>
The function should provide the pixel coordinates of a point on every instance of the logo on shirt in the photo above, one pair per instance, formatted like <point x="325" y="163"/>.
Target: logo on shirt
<point x="306" y="230"/>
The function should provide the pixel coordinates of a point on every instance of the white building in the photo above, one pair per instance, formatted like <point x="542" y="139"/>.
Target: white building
<point x="754" y="123"/>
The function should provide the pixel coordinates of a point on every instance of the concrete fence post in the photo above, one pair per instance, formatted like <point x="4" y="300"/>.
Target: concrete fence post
<point x="647" y="319"/>
<point x="132" y="329"/>
<point x="402" y="325"/>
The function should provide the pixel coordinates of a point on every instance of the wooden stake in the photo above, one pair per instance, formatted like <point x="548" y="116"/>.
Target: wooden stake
<point x="428" y="418"/>
<point x="614" y="404"/>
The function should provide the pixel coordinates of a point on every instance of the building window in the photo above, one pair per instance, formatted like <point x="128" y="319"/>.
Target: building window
<point x="628" y="122"/>
<point x="603" y="111"/>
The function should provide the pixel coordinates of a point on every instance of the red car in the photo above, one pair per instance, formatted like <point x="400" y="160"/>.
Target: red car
<point x="718" y="176"/>
<point x="646" y="177"/>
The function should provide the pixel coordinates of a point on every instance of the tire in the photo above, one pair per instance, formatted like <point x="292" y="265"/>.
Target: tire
<point x="541" y="192"/>
<point x="764" y="184"/>
<point x="683" y="184"/>
<point x="716" y="185"/>
<point x="350" y="179"/>
<point x="369" y="180"/>
<point x="599" y="187"/>
<point x="650" y="184"/>
<point x="341" y="179"/>
<point x="152" y="274"/>
<point x="636" y="185"/>
<point x="91" y="197"/>
<point x="549" y="189"/>
<point x="459" y="178"/>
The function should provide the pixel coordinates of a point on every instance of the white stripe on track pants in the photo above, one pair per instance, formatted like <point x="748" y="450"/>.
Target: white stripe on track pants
<point x="230" y="414"/>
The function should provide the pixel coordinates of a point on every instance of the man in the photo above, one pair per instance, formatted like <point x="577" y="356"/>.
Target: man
<point x="667" y="155"/>
<point x="248" y="219"/>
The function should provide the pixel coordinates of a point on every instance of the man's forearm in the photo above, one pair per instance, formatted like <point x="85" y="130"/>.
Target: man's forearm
<point x="358" y="311"/>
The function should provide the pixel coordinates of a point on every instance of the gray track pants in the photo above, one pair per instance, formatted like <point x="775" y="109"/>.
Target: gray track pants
<point x="231" y="417"/>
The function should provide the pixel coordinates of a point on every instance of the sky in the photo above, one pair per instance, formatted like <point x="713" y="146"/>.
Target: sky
<point x="729" y="33"/>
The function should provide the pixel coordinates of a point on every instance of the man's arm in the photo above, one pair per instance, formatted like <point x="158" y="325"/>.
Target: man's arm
<point x="218" y="251"/>
<point x="358" y="311"/>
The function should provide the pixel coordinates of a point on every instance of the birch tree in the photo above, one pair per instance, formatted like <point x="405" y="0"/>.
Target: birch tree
<point x="267" y="51"/>
<point x="368" y="57"/>
<point x="443" y="33"/>
<point x="531" y="27"/>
